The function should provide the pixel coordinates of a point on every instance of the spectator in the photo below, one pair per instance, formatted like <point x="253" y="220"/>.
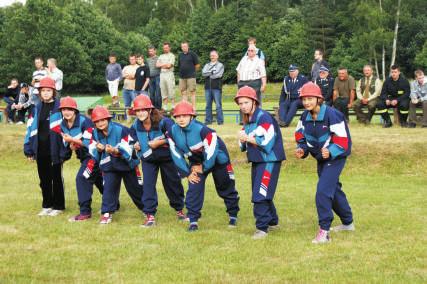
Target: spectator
<point x="142" y="77"/>
<point x="418" y="98"/>
<point x="258" y="52"/>
<point x="251" y="72"/>
<point x="344" y="92"/>
<point x="395" y="94"/>
<point x="128" y="74"/>
<point x="39" y="74"/>
<point x="56" y="74"/>
<point x="154" y="84"/>
<point x="10" y="98"/>
<point x="213" y="72"/>
<point x="188" y="63"/>
<point x="319" y="62"/>
<point x="166" y="62"/>
<point x="326" y="84"/>
<point x="289" y="101"/>
<point x="368" y="91"/>
<point x="113" y="75"/>
<point x="22" y="105"/>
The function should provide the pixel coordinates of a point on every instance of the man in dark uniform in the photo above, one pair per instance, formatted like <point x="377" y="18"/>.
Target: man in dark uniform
<point x="395" y="94"/>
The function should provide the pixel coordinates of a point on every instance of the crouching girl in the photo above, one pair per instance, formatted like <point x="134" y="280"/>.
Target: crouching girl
<point x="149" y="130"/>
<point x="206" y="153"/>
<point x="110" y="144"/>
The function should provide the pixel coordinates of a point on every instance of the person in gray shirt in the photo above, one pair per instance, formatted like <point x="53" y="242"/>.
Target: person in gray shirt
<point x="212" y="72"/>
<point x="154" y="84"/>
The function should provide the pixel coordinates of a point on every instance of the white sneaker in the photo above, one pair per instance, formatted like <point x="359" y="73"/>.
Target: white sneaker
<point x="45" y="212"/>
<point x="19" y="123"/>
<point x="343" y="227"/>
<point x="55" y="212"/>
<point x="259" y="235"/>
<point x="322" y="237"/>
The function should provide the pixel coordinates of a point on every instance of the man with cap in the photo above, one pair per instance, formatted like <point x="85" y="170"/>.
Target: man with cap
<point x="289" y="102"/>
<point x="368" y="91"/>
<point x="326" y="84"/>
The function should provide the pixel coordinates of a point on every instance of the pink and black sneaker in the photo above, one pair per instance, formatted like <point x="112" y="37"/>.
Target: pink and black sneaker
<point x="80" y="217"/>
<point x="149" y="222"/>
<point x="322" y="237"/>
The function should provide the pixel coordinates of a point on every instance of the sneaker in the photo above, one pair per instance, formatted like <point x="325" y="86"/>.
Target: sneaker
<point x="259" y="235"/>
<point x="45" y="212"/>
<point x="19" y="123"/>
<point x="149" y="222"/>
<point x="55" y="212"/>
<point x="180" y="215"/>
<point x="193" y="227"/>
<point x="273" y="227"/>
<point x="322" y="237"/>
<point x="107" y="218"/>
<point x="343" y="227"/>
<point x="233" y="222"/>
<point x="80" y="217"/>
<point x="412" y="125"/>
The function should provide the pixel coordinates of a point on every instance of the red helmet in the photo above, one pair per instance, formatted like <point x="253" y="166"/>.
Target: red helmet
<point x="184" y="108"/>
<point x="100" y="112"/>
<point x="142" y="102"/>
<point x="310" y="90"/>
<point x="68" y="102"/>
<point x="47" y="82"/>
<point x="246" y="92"/>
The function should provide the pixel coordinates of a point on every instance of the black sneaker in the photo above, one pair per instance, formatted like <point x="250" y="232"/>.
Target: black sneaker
<point x="412" y="125"/>
<point x="193" y="227"/>
<point x="387" y="125"/>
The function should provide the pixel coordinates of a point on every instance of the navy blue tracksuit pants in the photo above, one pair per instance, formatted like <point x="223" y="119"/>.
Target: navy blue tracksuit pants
<point x="329" y="195"/>
<point x="85" y="186"/>
<point x="171" y="183"/>
<point x="112" y="181"/>
<point x="264" y="183"/>
<point x="288" y="109"/>
<point x="223" y="177"/>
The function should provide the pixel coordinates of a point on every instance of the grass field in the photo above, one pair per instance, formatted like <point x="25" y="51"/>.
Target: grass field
<point x="385" y="180"/>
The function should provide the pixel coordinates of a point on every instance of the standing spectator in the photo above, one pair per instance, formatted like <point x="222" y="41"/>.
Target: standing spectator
<point x="344" y="92"/>
<point x="166" y="62"/>
<point x="188" y="63"/>
<point x="259" y="53"/>
<point x="289" y="100"/>
<point x="418" y="98"/>
<point x="56" y="74"/>
<point x="154" y="84"/>
<point x="11" y="97"/>
<point x="142" y="77"/>
<point x="368" y="91"/>
<point x="113" y="75"/>
<point x="21" y="106"/>
<point x="395" y="94"/>
<point x="251" y="72"/>
<point x="128" y="74"/>
<point x="39" y="74"/>
<point x="326" y="84"/>
<point x="319" y="62"/>
<point x="213" y="72"/>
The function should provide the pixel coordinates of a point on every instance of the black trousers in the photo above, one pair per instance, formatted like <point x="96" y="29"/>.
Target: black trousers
<point x="51" y="183"/>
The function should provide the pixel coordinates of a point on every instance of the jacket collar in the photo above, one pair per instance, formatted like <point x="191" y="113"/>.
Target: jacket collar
<point x="320" y="116"/>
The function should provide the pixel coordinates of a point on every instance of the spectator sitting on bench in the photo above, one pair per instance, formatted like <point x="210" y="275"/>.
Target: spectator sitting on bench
<point x="344" y="92"/>
<point x="418" y="98"/>
<point x="23" y="103"/>
<point x="368" y="91"/>
<point x="289" y="101"/>
<point x="10" y="98"/>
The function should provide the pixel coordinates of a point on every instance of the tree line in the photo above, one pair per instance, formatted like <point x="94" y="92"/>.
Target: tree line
<point x="81" y="34"/>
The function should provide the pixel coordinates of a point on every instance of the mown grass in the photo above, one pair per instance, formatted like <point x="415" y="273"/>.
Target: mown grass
<point x="385" y="180"/>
